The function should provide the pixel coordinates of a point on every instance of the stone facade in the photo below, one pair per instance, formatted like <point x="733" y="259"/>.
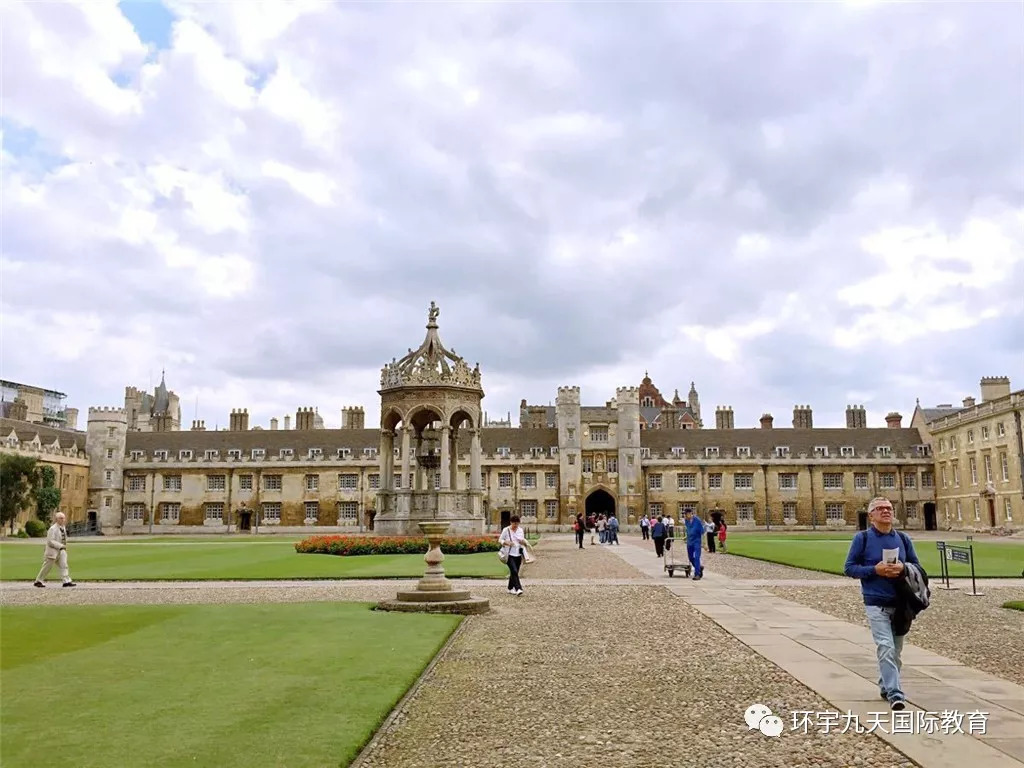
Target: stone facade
<point x="62" y="449"/>
<point x="979" y="455"/>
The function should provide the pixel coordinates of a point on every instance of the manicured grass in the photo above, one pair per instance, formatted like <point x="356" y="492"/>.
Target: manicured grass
<point x="1014" y="605"/>
<point x="828" y="554"/>
<point x="299" y="685"/>
<point x="261" y="559"/>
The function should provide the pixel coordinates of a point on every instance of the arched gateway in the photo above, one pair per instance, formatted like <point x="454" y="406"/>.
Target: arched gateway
<point x="429" y="399"/>
<point x="599" y="502"/>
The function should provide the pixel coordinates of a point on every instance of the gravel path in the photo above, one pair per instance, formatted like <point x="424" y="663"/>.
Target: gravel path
<point x="558" y="557"/>
<point x="975" y="631"/>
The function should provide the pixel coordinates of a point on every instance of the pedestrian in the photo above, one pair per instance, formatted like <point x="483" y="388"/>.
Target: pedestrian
<point x="602" y="529"/>
<point x="613" y="529"/>
<point x="658" y="535"/>
<point x="645" y="527"/>
<point x="579" y="527"/>
<point x="722" y="529"/>
<point x="711" y="529"/>
<point x="56" y="551"/>
<point x="670" y="527"/>
<point x="878" y="557"/>
<point x="513" y="542"/>
<point x="694" y="539"/>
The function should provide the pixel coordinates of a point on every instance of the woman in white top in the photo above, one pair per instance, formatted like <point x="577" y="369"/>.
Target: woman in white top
<point x="513" y="540"/>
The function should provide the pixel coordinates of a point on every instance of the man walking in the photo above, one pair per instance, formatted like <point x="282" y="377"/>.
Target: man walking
<point x="878" y="557"/>
<point x="694" y="541"/>
<point x="56" y="551"/>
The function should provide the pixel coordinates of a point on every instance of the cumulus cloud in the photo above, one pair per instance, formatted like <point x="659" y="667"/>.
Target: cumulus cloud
<point x="783" y="203"/>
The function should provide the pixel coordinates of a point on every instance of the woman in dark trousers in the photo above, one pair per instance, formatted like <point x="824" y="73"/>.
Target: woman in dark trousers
<point x="658" y="534"/>
<point x="513" y="539"/>
<point x="711" y="536"/>
<point x="580" y="527"/>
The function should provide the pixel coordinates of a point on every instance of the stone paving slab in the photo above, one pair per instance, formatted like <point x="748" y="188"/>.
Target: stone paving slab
<point x="836" y="659"/>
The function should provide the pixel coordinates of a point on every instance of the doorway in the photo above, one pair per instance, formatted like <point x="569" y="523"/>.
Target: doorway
<point x="92" y="521"/>
<point x="244" y="520"/>
<point x="930" y="523"/>
<point x="862" y="521"/>
<point x="600" y="502"/>
<point x="371" y="515"/>
<point x="991" y="512"/>
<point x="506" y="518"/>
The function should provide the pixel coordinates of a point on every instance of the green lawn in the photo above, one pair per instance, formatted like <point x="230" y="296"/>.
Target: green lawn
<point x="295" y="685"/>
<point x="261" y="559"/>
<point x="1014" y="605"/>
<point x="827" y="553"/>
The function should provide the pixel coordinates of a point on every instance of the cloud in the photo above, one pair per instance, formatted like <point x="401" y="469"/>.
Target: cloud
<point x="783" y="204"/>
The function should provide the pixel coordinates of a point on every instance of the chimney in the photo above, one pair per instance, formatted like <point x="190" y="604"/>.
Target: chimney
<point x="304" y="419"/>
<point x="893" y="420"/>
<point x="994" y="387"/>
<point x="766" y="421"/>
<point x="71" y="418"/>
<point x="724" y="418"/>
<point x="198" y="425"/>
<point x="969" y="402"/>
<point x="802" y="417"/>
<point x="670" y="418"/>
<point x="239" y="421"/>
<point x="287" y="422"/>
<point x="353" y="417"/>
<point x="273" y="423"/>
<point x="856" y="417"/>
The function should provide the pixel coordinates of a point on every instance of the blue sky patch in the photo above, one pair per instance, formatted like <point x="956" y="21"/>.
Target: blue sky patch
<point x="151" y="19"/>
<point x="31" y="149"/>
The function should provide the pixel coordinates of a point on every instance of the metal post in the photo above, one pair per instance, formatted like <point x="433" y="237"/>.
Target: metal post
<point x="974" y="586"/>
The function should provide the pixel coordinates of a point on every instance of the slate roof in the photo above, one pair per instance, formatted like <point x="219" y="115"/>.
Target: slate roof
<point x="590" y="413"/>
<point x="27" y="430"/>
<point x="932" y="414"/>
<point x="764" y="441"/>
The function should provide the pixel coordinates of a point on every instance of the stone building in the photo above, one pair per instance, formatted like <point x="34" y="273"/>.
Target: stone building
<point x="62" y="449"/>
<point x="23" y="402"/>
<point x="979" y="455"/>
<point x="157" y="412"/>
<point x="560" y="460"/>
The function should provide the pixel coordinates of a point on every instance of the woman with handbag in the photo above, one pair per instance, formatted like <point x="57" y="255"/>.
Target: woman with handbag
<point x="513" y="543"/>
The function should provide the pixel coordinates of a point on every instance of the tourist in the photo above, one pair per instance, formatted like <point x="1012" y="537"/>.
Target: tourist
<point x="602" y="529"/>
<point x="645" y="527"/>
<point x="591" y="525"/>
<point x="670" y="527"/>
<point x="513" y="539"/>
<point x="694" y="541"/>
<point x="658" y="534"/>
<point x="613" y="529"/>
<point x="711" y="529"/>
<point x="56" y="551"/>
<point x="878" y="557"/>
<point x="579" y="527"/>
<point x="722" y="528"/>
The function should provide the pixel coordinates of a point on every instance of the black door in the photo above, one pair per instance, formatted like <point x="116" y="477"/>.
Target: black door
<point x="370" y="515"/>
<point x="245" y="520"/>
<point x="930" y="524"/>
<point x="862" y="521"/>
<point x="506" y="517"/>
<point x="92" y="522"/>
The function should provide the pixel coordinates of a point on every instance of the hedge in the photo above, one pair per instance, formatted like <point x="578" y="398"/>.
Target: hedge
<point x="393" y="545"/>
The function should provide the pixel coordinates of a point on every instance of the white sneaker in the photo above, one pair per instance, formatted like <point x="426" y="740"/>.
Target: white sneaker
<point x="519" y="591"/>
<point x="511" y="591"/>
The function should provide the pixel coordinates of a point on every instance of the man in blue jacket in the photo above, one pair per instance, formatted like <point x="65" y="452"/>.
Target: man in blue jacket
<point x="694" y="539"/>
<point x="877" y="558"/>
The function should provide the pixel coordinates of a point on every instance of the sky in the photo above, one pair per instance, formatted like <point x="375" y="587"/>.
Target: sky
<point x="817" y="204"/>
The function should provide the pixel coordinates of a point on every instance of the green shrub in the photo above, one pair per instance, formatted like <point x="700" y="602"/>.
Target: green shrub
<point x="393" y="545"/>
<point x="36" y="528"/>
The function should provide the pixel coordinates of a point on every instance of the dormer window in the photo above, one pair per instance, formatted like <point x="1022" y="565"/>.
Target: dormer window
<point x="537" y="452"/>
<point x="315" y="453"/>
<point x="821" y="451"/>
<point x="160" y="455"/>
<point x="678" y="453"/>
<point x="344" y="453"/>
<point x="211" y="454"/>
<point x="185" y="455"/>
<point x="370" y="452"/>
<point x="847" y="452"/>
<point x="235" y="454"/>
<point x="645" y="453"/>
<point x="287" y="453"/>
<point x="884" y="450"/>
<point x="137" y="455"/>
<point x="259" y="453"/>
<point x="647" y="402"/>
<point x="503" y="452"/>
<point x="711" y="452"/>
<point x="782" y="451"/>
<point x="743" y="452"/>
<point x="554" y="450"/>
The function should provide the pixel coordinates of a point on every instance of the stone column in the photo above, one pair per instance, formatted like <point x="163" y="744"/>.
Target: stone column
<point x="474" y="460"/>
<point x="406" y="455"/>
<point x="446" y="458"/>
<point x="387" y="443"/>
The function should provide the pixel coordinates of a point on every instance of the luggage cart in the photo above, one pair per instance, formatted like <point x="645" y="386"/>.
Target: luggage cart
<point x="671" y="566"/>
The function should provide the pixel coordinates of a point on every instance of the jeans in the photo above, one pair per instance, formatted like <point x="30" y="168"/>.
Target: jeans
<point x="514" y="562"/>
<point x="693" y="549"/>
<point x="888" y="648"/>
<point x="613" y="536"/>
<point x="579" y="538"/>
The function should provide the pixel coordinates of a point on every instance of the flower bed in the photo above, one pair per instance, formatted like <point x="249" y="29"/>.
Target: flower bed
<point x="393" y="545"/>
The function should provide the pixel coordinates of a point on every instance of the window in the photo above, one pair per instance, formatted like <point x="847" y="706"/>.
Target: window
<point x="64" y="482"/>
<point x="349" y="482"/>
<point x="370" y="452"/>
<point x="110" y="453"/>
<point x="1000" y="430"/>
<point x="312" y="482"/>
<point x="536" y="452"/>
<point x="910" y="480"/>
<point x="553" y="451"/>
<point x="137" y="483"/>
<point x="214" y="510"/>
<point x="789" y="510"/>
<point x="654" y="482"/>
<point x="572" y="459"/>
<point x="503" y="451"/>
<point x="847" y="451"/>
<point x="743" y="481"/>
<point x="745" y="511"/>
<point x="984" y="433"/>
<point x="629" y="459"/>
<point x="743" y="452"/>
<point x="782" y="451"/>
<point x="613" y="464"/>
<point x="211" y="454"/>
<point x="172" y="482"/>
<point x="988" y="468"/>
<point x="686" y="481"/>
<point x="272" y="510"/>
<point x="956" y="474"/>
<point x="312" y="510"/>
<point x="135" y="511"/>
<point x="79" y="483"/>
<point x="685" y="506"/>
<point x="108" y="475"/>
<point x="648" y="402"/>
<point x="821" y="451"/>
<point x="170" y="511"/>
<point x="551" y="479"/>
<point x="1004" y="466"/>
<point x="629" y="434"/>
<point x="715" y="481"/>
<point x="942" y="448"/>
<point x="973" y="464"/>
<point x="528" y="508"/>
<point x="110" y="431"/>
<point x="834" y="511"/>
<point x="551" y="508"/>
<point x="348" y="510"/>
<point x="259" y="453"/>
<point x="911" y="507"/>
<point x="952" y="442"/>
<point x="711" y="452"/>
<point x="437" y="481"/>
<point x="108" y="501"/>
<point x="970" y="436"/>
<point x="504" y="479"/>
<point x="887" y="480"/>
<point x="678" y="453"/>
<point x="216" y="482"/>
<point x="315" y="453"/>
<point x="396" y="481"/>
<point x="655" y="508"/>
<point x="927" y="479"/>
<point x="160" y="455"/>
<point x="959" y="511"/>
<point x="374" y="481"/>
<point x="860" y="481"/>
<point x="528" y="480"/>
<point x="235" y="454"/>
<point x="588" y="465"/>
<point x="645" y="453"/>
<point x="942" y="471"/>
<point x="184" y="455"/>
<point x="272" y="482"/>
<point x="832" y="481"/>
<point x="286" y="453"/>
<point x="788" y="481"/>
<point x="599" y="434"/>
<point x="977" y="511"/>
<point x="1009" y="509"/>
<point x="344" y="453"/>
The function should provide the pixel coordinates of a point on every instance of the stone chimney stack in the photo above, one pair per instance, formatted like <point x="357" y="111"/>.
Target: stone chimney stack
<point x="670" y="418"/>
<point x="353" y="417"/>
<point x="19" y="409"/>
<point x="724" y="418"/>
<point x="71" y="418"/>
<point x="766" y="421"/>
<point x="304" y="419"/>
<point x="969" y="402"/>
<point x="893" y="420"/>
<point x="239" y="421"/>
<point x="994" y="387"/>
<point x="287" y="422"/>
<point x="802" y="418"/>
<point x="856" y="417"/>
<point x="198" y="425"/>
<point x="273" y="423"/>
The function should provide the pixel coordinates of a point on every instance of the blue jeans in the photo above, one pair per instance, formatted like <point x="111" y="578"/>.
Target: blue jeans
<point x="889" y="649"/>
<point x="693" y="552"/>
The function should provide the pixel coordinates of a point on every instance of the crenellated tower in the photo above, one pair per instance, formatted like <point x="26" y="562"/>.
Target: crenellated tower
<point x="105" y="440"/>
<point x="630" y="474"/>
<point x="567" y="418"/>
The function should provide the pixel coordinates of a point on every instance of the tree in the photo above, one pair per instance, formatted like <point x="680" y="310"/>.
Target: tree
<point x="46" y="492"/>
<point x="17" y="480"/>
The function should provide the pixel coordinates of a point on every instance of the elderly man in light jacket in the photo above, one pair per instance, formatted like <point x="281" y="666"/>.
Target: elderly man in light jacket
<point x="56" y="552"/>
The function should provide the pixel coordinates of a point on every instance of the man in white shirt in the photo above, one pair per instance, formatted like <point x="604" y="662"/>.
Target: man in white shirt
<point x="56" y="552"/>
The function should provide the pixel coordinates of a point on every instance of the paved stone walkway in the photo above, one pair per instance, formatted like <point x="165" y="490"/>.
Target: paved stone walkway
<point x="836" y="659"/>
